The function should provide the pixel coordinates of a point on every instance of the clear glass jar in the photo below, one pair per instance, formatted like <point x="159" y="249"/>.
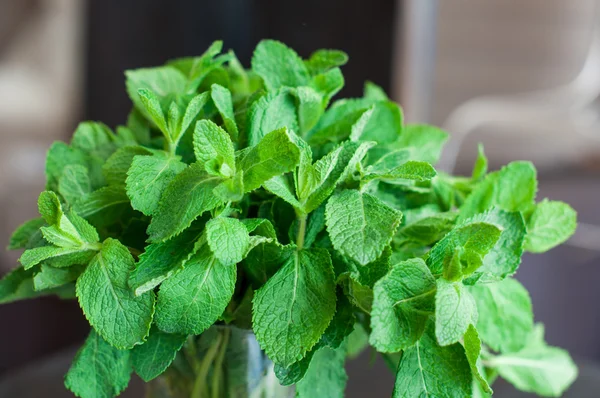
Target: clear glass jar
<point x="223" y="362"/>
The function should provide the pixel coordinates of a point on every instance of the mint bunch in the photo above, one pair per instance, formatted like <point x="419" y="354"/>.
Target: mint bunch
<point x="249" y="198"/>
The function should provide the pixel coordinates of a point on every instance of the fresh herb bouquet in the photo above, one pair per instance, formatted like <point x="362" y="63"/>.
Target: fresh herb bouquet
<point x="241" y="199"/>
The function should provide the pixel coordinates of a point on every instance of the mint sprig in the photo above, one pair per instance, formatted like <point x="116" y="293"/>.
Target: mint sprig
<point x="246" y="198"/>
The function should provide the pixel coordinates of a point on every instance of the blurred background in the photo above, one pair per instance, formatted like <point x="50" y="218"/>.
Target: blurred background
<point x="523" y="77"/>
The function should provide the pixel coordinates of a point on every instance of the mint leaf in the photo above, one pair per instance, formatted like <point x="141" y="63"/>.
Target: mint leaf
<point x="505" y="314"/>
<point x="336" y="123"/>
<point x="383" y="123"/>
<point x="96" y="139"/>
<point x="411" y="170"/>
<point x="481" y="164"/>
<point x="273" y="111"/>
<point x="427" y="230"/>
<point x="161" y="260"/>
<point x="148" y="177"/>
<point x="325" y="375"/>
<point x="332" y="169"/>
<point x="104" y="206"/>
<point x="323" y="60"/>
<point x="516" y="186"/>
<point x="282" y="187"/>
<point x="228" y="239"/>
<point x="59" y="156"/>
<point x="185" y="198"/>
<point x="275" y="154"/>
<point x="475" y="237"/>
<point x="74" y="183"/>
<point x="374" y="92"/>
<point x="222" y="99"/>
<point x="156" y="354"/>
<point x="195" y="297"/>
<point x="117" y="165"/>
<point x="472" y="345"/>
<point x="24" y="233"/>
<point x="310" y="108"/>
<point x="504" y="258"/>
<point x="455" y="310"/>
<point x="341" y="325"/>
<point x="537" y="368"/>
<point x="360" y="225"/>
<point x="197" y="69"/>
<point x="213" y="148"/>
<point x="120" y="317"/>
<point x="293" y="309"/>
<point x="403" y="301"/>
<point x="426" y="369"/>
<point x="328" y="84"/>
<point x="50" y="277"/>
<point x="98" y="369"/>
<point x="551" y="224"/>
<point x="279" y="65"/>
<point x="164" y="81"/>
<point x="17" y="285"/>
<point x="424" y="142"/>
<point x="295" y="372"/>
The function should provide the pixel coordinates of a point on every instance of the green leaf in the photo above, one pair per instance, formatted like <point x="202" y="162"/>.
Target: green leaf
<point x="504" y="258"/>
<point x="120" y="317"/>
<point x="341" y="325"/>
<point x="59" y="156"/>
<point x="98" y="370"/>
<point x="551" y="224"/>
<point x="328" y="84"/>
<point x="323" y="60"/>
<point x="104" y="206"/>
<point x="455" y="310"/>
<point x="513" y="188"/>
<point x="117" y="165"/>
<point x="334" y="168"/>
<point x="336" y="123"/>
<point x="195" y="297"/>
<point x="279" y="65"/>
<point x="476" y="237"/>
<point x="24" y="233"/>
<point x="505" y="314"/>
<point x="222" y="99"/>
<point x="197" y="69"/>
<point x="271" y="112"/>
<point x="293" y="309"/>
<point x="428" y="370"/>
<point x="152" y="107"/>
<point x="17" y="285"/>
<point x="74" y="183"/>
<point x="154" y="356"/>
<point x="360" y="225"/>
<point x="50" y="277"/>
<point x="295" y="372"/>
<point x="274" y="155"/>
<point x="282" y="187"/>
<point x="228" y="238"/>
<point x="374" y="92"/>
<point x="148" y="177"/>
<point x="381" y="123"/>
<point x="427" y="230"/>
<point x="185" y="199"/>
<point x="192" y="110"/>
<point x="403" y="301"/>
<point x="61" y="256"/>
<point x="537" y="368"/>
<point x="481" y="164"/>
<point x="425" y="142"/>
<point x="472" y="345"/>
<point x="310" y="108"/>
<point x="213" y="148"/>
<point x="411" y="170"/>
<point x="516" y="186"/>
<point x="161" y="260"/>
<point x="325" y="376"/>
<point x="95" y="139"/>
<point x="164" y="81"/>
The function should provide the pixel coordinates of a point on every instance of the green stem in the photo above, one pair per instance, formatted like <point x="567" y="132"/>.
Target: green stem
<point x="199" y="390"/>
<point x="218" y="368"/>
<point x="301" y="231"/>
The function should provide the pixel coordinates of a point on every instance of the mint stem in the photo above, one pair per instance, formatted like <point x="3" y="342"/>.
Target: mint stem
<point x="301" y="232"/>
